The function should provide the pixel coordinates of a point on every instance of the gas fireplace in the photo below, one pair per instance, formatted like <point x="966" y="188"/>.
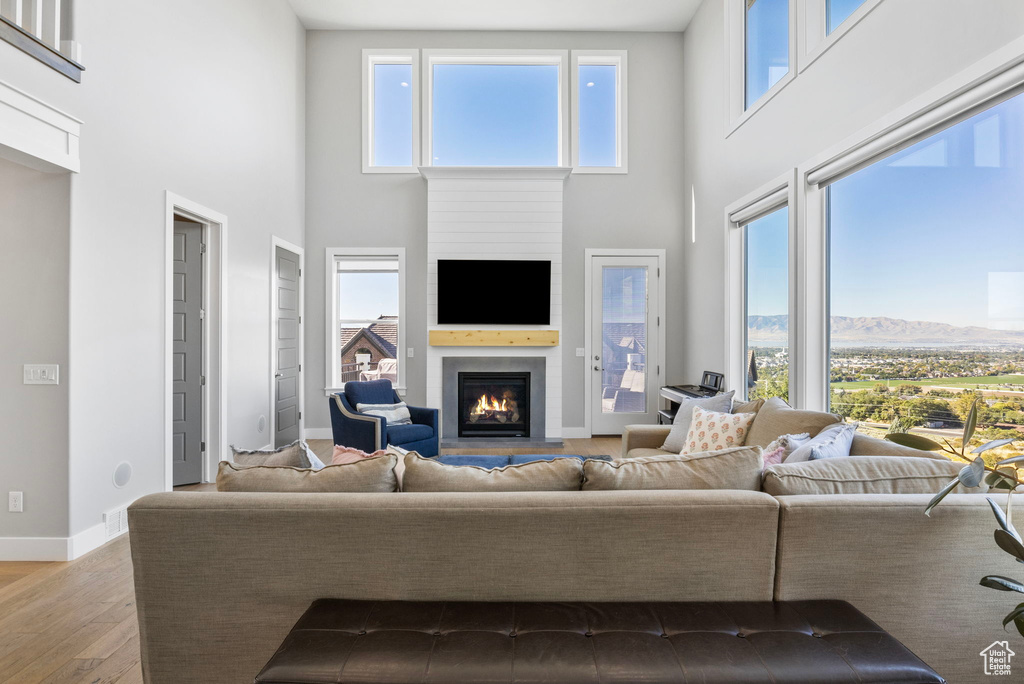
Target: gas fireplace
<point x="494" y="404"/>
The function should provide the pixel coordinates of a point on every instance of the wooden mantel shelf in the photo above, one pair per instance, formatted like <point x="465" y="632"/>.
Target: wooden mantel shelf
<point x="493" y="338"/>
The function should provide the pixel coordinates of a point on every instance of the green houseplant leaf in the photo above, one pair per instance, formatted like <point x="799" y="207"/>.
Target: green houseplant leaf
<point x="1002" y="583"/>
<point x="1017" y="617"/>
<point x="1001" y="518"/>
<point x="1014" y="459"/>
<point x="913" y="441"/>
<point x="973" y="473"/>
<point x="1002" y="479"/>
<point x="942" y="495"/>
<point x="1008" y="543"/>
<point x="995" y="444"/>
<point x="970" y="424"/>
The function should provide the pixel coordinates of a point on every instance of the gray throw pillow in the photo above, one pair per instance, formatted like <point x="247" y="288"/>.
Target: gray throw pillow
<point x="395" y="414"/>
<point x="832" y="442"/>
<point x="295" y="455"/>
<point x="721" y="403"/>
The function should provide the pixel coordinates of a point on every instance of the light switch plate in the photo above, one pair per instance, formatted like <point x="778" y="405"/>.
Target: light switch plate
<point x="409" y="352"/>
<point x="580" y="351"/>
<point x="42" y="374"/>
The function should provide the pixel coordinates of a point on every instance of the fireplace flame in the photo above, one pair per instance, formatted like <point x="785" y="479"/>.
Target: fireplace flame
<point x="486" y="405"/>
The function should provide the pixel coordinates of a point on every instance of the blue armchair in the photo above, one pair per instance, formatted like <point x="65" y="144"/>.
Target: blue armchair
<point x="370" y="433"/>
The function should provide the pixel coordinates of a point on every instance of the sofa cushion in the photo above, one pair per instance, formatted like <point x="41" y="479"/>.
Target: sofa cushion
<point x="712" y="431"/>
<point x="832" y="442"/>
<point x="370" y="392"/>
<point x="676" y="439"/>
<point x="865" y="445"/>
<point x="294" y="455"/>
<point x="403" y="434"/>
<point x="428" y="475"/>
<point x="748" y="406"/>
<point x="777" y="418"/>
<point x="862" y="475"/>
<point x="375" y="474"/>
<point x="738" y="468"/>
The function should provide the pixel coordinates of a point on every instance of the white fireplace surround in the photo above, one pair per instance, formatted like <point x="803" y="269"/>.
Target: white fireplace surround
<point x="503" y="214"/>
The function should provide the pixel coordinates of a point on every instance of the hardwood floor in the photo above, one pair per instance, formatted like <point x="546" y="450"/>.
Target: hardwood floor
<point x="75" y="623"/>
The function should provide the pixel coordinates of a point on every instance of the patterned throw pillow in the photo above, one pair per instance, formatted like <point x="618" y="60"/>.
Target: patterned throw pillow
<point x="344" y="454"/>
<point x="711" y="431"/>
<point x="395" y="414"/>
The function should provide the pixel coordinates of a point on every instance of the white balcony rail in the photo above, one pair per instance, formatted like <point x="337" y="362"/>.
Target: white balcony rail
<point x="50" y="22"/>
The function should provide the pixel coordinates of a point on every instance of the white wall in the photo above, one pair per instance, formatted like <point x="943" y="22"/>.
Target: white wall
<point x="34" y="220"/>
<point x="345" y="207"/>
<point x="899" y="51"/>
<point x="204" y="99"/>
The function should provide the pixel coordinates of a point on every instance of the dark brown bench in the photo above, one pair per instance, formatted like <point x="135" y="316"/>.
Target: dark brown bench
<point x="566" y="643"/>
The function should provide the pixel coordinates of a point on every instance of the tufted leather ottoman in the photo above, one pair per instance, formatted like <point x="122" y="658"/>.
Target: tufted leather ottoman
<point x="565" y="643"/>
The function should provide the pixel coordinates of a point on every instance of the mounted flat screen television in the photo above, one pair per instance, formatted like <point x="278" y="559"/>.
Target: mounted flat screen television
<point x="493" y="292"/>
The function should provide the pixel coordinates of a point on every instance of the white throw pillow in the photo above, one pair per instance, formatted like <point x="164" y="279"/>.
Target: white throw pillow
<point x="832" y="442"/>
<point x="713" y="431"/>
<point x="676" y="439"/>
<point x="395" y="414"/>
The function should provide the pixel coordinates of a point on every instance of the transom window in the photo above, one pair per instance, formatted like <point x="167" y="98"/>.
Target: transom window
<point x="838" y="11"/>
<point x="766" y="43"/>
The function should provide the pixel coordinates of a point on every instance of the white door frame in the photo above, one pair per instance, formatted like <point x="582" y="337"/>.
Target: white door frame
<point x="215" y="392"/>
<point x="589" y="254"/>
<point x="276" y="242"/>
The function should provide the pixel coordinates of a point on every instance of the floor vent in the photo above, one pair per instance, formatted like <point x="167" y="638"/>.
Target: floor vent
<point x="116" y="522"/>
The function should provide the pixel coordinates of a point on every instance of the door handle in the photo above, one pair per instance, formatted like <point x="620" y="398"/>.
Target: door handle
<point x="598" y="369"/>
<point x="278" y="375"/>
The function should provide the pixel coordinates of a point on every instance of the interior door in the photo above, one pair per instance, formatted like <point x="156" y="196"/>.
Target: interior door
<point x="187" y="399"/>
<point x="287" y="278"/>
<point x="624" y="357"/>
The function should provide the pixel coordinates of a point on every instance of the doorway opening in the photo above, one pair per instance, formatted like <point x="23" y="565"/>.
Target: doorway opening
<point x="195" y="389"/>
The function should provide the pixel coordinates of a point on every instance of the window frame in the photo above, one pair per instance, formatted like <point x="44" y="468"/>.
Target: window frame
<point x="813" y="37"/>
<point x="333" y="342"/>
<point x="736" y="44"/>
<point x="432" y="57"/>
<point x="371" y="58"/>
<point x="775" y="195"/>
<point x="618" y="59"/>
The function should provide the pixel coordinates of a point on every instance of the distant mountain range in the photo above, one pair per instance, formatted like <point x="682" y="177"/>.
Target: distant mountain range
<point x="887" y="332"/>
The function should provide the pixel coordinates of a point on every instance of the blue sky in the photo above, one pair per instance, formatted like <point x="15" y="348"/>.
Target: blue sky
<point x="768" y="265"/>
<point x="367" y="295"/>
<point x="839" y="10"/>
<point x="767" y="46"/>
<point x="392" y="114"/>
<point x="917" y="235"/>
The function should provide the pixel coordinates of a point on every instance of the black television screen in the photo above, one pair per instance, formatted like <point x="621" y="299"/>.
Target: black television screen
<point x="493" y="292"/>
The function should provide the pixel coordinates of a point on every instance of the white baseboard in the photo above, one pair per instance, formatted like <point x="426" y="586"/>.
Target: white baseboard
<point x="575" y="433"/>
<point x="33" y="548"/>
<point x="319" y="433"/>
<point x="54" y="548"/>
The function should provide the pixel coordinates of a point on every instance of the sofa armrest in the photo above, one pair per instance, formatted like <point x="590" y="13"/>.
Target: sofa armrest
<point x="354" y="429"/>
<point x="865" y="445"/>
<point x="644" y="437"/>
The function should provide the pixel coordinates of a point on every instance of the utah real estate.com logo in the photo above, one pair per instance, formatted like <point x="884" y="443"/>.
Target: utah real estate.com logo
<point x="997" y="658"/>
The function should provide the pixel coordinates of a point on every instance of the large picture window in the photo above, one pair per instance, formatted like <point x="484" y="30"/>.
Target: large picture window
<point x="766" y="298"/>
<point x="926" y="279"/>
<point x="366" y="302"/>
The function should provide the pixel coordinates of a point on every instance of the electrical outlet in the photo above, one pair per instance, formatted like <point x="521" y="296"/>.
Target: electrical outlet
<point x="580" y="351"/>
<point x="41" y="374"/>
<point x="16" y="502"/>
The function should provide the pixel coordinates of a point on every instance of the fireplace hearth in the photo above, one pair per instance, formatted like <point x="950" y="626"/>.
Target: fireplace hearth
<point x="494" y="404"/>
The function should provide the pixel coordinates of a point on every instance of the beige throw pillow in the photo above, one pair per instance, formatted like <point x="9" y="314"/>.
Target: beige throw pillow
<point x="738" y="468"/>
<point x="368" y="475"/>
<point x="776" y="418"/>
<point x="293" y="455"/>
<point x="863" y="475"/>
<point x="427" y="475"/>
<point x="713" y="431"/>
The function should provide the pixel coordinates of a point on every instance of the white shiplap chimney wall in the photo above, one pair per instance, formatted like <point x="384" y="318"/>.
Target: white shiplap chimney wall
<point x="496" y="213"/>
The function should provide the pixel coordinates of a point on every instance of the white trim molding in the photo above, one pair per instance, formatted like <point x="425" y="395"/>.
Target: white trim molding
<point x="433" y="57"/>
<point x="617" y="59"/>
<point x="332" y="348"/>
<point x="59" y="549"/>
<point x="588" y="303"/>
<point x="737" y="111"/>
<point x="276" y="242"/>
<point x="34" y="134"/>
<point x="215" y="398"/>
<point x="778" y="193"/>
<point x="371" y="58"/>
<point x="813" y="38"/>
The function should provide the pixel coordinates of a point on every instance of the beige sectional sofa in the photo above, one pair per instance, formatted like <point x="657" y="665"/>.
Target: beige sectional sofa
<point x="221" y="577"/>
